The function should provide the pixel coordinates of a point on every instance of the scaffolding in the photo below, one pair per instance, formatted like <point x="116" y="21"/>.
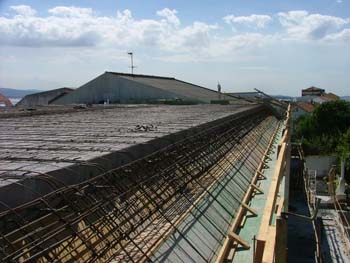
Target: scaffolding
<point x="131" y="213"/>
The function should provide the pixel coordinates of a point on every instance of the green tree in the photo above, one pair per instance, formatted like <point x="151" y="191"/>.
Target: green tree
<point x="321" y="131"/>
<point x="332" y="117"/>
<point x="343" y="150"/>
<point x="343" y="147"/>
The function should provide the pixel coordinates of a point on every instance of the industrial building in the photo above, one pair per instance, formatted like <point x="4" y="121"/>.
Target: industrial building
<point x="145" y="183"/>
<point x="112" y="87"/>
<point x="43" y="98"/>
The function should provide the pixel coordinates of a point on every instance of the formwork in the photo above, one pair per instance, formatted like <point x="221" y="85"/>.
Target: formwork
<point x="175" y="204"/>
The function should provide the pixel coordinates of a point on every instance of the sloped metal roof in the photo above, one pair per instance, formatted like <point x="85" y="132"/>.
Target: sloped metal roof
<point x="182" y="88"/>
<point x="44" y="97"/>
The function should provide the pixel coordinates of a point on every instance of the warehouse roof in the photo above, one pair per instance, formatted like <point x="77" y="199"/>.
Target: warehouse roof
<point x="174" y="85"/>
<point x="43" y="98"/>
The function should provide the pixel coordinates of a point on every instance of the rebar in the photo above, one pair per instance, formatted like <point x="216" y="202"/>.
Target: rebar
<point x="125" y="214"/>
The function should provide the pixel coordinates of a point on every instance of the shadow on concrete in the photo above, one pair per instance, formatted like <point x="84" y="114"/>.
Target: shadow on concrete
<point x="301" y="238"/>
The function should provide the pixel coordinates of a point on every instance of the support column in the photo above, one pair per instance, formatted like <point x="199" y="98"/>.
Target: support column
<point x="340" y="193"/>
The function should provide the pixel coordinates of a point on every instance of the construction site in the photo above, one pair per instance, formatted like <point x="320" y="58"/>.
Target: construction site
<point x="144" y="183"/>
<point x="192" y="175"/>
<point x="174" y="131"/>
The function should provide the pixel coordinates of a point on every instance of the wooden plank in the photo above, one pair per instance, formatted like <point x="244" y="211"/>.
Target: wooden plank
<point x="239" y="240"/>
<point x="257" y="188"/>
<point x="270" y="205"/>
<point x="280" y="206"/>
<point x="269" y="251"/>
<point x="250" y="209"/>
<point x="225" y="247"/>
<point x="231" y="253"/>
<point x="261" y="175"/>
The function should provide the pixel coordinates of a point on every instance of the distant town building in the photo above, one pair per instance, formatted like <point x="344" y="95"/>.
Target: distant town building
<point x="43" y="98"/>
<point x="331" y="96"/>
<point x="4" y="101"/>
<point x="303" y="108"/>
<point x="316" y="95"/>
<point x="312" y="91"/>
<point x="327" y="97"/>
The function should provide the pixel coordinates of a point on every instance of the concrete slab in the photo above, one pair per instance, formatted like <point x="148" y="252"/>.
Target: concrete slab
<point x="72" y="137"/>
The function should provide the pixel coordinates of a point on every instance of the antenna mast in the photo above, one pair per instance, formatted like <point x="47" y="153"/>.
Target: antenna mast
<point x="131" y="54"/>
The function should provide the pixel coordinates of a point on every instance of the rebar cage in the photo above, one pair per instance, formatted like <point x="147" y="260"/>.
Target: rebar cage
<point x="144" y="211"/>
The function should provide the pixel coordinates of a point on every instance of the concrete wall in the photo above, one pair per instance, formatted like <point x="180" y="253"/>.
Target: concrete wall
<point x="322" y="164"/>
<point x="116" y="90"/>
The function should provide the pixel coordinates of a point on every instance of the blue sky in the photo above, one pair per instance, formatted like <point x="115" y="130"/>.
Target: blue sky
<point x="276" y="46"/>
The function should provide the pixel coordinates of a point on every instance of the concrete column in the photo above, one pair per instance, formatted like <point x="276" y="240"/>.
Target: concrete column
<point x="340" y="192"/>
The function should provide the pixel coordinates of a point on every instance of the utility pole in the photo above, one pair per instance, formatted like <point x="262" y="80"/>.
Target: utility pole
<point x="132" y="62"/>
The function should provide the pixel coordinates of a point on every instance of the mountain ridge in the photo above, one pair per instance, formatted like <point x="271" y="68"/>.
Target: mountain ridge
<point x="17" y="93"/>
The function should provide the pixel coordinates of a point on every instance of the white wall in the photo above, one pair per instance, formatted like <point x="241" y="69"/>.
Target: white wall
<point x="322" y="164"/>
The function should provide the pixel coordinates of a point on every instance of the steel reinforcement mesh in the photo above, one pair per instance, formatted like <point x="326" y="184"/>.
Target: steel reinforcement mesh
<point x="207" y="224"/>
<point x="126" y="214"/>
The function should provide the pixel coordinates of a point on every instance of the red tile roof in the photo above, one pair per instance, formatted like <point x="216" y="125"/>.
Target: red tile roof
<point x="305" y="106"/>
<point x="330" y="96"/>
<point x="5" y="100"/>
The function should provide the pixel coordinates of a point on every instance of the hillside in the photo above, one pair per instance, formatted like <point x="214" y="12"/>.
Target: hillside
<point x="16" y="93"/>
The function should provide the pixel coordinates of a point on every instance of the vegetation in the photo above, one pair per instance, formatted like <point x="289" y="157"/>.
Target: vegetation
<point x="325" y="130"/>
<point x="343" y="147"/>
<point x="343" y="150"/>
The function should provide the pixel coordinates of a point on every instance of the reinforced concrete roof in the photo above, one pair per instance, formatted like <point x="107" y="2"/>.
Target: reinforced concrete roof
<point x="42" y="143"/>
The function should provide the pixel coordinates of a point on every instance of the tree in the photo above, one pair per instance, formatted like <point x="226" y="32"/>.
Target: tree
<point x="343" y="147"/>
<point x="343" y="150"/>
<point x="321" y="131"/>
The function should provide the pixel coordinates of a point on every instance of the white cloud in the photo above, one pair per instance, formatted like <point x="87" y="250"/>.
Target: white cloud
<point x="70" y="11"/>
<point x="343" y="35"/>
<point x="259" y="21"/>
<point x="73" y="26"/>
<point x="23" y="10"/>
<point x="302" y="25"/>
<point x="169" y="15"/>
<point x="69" y="26"/>
<point x="195" y="37"/>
